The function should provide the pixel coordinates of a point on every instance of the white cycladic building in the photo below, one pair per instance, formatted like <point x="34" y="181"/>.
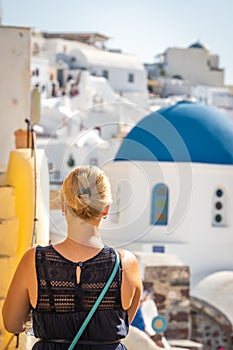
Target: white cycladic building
<point x="195" y="64"/>
<point x="172" y="188"/>
<point x="125" y="72"/>
<point x="220" y="97"/>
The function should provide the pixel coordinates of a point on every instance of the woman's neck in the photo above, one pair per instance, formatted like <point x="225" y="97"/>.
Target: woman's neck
<point x="84" y="234"/>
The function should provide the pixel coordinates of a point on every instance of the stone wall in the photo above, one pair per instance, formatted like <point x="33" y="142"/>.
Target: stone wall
<point x="210" y="326"/>
<point x="170" y="287"/>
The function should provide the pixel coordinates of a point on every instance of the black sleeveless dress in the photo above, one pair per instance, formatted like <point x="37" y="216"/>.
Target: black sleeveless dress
<point x="63" y="303"/>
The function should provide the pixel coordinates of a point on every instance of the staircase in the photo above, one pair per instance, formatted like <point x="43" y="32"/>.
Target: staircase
<point x="24" y="183"/>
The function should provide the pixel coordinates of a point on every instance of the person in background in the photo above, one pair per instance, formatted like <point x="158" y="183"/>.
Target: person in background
<point x="138" y="320"/>
<point x="60" y="283"/>
<point x="142" y="324"/>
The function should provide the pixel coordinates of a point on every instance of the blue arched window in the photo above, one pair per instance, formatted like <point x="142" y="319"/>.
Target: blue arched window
<point x="159" y="205"/>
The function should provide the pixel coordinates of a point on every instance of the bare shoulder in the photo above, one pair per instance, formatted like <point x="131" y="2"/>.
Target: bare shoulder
<point x="28" y="258"/>
<point x="128" y="259"/>
<point x="29" y="254"/>
<point x="126" y="254"/>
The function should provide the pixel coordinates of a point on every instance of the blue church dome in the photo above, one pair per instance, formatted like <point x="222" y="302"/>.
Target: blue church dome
<point x="197" y="45"/>
<point x="184" y="132"/>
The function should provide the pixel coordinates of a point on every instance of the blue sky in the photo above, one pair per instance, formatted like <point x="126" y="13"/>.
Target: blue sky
<point x="143" y="27"/>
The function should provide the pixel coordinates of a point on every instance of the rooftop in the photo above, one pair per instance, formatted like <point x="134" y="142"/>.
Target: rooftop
<point x="87" y="38"/>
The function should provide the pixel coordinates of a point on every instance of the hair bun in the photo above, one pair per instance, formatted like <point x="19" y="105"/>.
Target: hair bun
<point x="87" y="192"/>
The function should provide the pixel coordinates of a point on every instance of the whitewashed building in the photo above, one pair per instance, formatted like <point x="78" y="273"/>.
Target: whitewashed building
<point x="195" y="64"/>
<point x="125" y="72"/>
<point x="181" y="68"/>
<point x="172" y="188"/>
<point x="219" y="97"/>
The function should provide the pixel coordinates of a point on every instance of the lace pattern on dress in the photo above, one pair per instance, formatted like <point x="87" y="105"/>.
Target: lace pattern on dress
<point x="58" y="290"/>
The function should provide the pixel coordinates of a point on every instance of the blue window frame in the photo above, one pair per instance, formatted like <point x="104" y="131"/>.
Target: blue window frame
<point x="159" y="205"/>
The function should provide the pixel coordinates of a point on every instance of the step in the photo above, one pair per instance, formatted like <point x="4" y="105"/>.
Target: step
<point x="7" y="268"/>
<point x="186" y="344"/>
<point x="9" y="236"/>
<point x="7" y="203"/>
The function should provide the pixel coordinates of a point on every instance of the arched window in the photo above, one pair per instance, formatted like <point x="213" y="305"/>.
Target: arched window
<point x="159" y="205"/>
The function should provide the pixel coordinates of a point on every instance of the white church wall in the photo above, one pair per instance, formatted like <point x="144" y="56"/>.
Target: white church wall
<point x="207" y="179"/>
<point x="130" y="216"/>
<point x="210" y="246"/>
<point x="190" y="233"/>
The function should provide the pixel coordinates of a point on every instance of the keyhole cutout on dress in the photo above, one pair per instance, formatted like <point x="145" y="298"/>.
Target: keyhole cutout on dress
<point x="78" y="274"/>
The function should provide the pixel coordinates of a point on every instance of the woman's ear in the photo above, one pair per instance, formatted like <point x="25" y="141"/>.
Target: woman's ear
<point x="106" y="209"/>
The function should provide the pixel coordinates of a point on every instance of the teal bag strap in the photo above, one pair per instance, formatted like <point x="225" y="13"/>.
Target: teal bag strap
<point x="95" y="306"/>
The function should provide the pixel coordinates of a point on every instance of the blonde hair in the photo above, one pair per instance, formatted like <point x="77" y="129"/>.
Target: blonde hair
<point x="86" y="192"/>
